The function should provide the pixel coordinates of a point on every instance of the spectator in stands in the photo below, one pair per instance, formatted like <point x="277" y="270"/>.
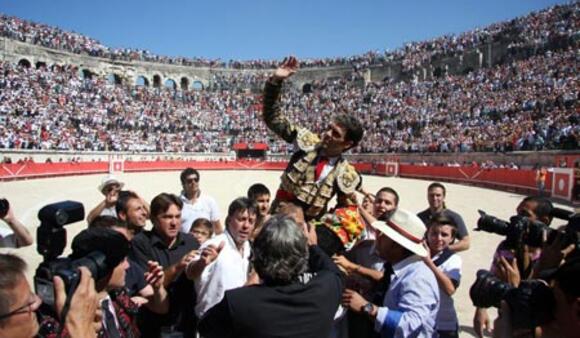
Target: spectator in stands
<point x="260" y="194"/>
<point x="436" y="194"/>
<point x="19" y="305"/>
<point x="132" y="210"/>
<point x="312" y="189"/>
<point x="173" y="250"/>
<point x="213" y="276"/>
<point x="282" y="254"/>
<point x="410" y="303"/>
<point x="18" y="235"/>
<point x="110" y="188"/>
<point x="446" y="266"/>
<point x="197" y="204"/>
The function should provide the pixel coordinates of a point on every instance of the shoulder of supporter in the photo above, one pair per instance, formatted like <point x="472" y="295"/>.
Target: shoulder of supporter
<point x="452" y="267"/>
<point x="461" y="227"/>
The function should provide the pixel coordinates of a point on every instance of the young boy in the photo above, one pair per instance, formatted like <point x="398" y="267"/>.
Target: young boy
<point x="260" y="194"/>
<point x="446" y="267"/>
<point x="202" y="230"/>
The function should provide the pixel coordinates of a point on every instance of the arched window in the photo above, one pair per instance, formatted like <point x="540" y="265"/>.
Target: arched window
<point x="142" y="81"/>
<point x="24" y="63"/>
<point x="184" y="83"/>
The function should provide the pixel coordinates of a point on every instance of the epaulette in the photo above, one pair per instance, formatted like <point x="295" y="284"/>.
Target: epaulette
<point x="306" y="140"/>
<point x="347" y="178"/>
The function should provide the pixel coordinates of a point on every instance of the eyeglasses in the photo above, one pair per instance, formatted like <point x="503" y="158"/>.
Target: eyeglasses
<point x="29" y="307"/>
<point x="191" y="180"/>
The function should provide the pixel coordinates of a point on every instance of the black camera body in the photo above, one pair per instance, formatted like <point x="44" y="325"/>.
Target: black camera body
<point x="531" y="304"/>
<point x="519" y="229"/>
<point x="51" y="238"/>
<point x="4" y="207"/>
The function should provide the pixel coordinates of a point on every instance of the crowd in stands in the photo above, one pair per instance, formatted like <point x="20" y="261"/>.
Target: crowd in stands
<point x="523" y="105"/>
<point x="537" y="29"/>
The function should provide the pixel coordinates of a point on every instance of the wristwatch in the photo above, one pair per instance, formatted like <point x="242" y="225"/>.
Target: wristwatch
<point x="368" y="308"/>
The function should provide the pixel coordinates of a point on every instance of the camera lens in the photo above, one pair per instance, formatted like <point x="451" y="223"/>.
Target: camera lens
<point x="488" y="290"/>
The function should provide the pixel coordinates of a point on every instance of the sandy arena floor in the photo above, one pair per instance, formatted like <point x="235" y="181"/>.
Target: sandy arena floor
<point x="27" y="197"/>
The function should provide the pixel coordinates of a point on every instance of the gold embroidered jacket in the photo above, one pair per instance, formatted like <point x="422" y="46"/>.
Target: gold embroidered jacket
<point x="299" y="177"/>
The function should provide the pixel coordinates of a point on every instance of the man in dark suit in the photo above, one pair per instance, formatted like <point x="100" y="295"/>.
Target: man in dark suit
<point x="298" y="296"/>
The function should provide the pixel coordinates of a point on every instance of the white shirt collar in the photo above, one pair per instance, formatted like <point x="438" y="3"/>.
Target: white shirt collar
<point x="401" y="265"/>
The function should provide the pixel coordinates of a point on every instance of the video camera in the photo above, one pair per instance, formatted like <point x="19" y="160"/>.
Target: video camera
<point x="520" y="230"/>
<point x="51" y="237"/>
<point x="532" y="303"/>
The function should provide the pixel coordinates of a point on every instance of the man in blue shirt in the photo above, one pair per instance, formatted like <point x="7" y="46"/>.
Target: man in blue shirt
<point x="409" y="306"/>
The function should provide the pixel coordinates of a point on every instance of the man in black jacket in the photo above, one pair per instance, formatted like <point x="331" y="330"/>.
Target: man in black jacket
<point x="299" y="294"/>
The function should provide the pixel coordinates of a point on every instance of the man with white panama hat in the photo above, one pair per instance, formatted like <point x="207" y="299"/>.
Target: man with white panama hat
<point x="110" y="187"/>
<point x="410" y="304"/>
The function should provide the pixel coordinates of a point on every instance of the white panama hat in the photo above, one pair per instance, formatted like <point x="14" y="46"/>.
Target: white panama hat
<point x="108" y="180"/>
<point x="406" y="229"/>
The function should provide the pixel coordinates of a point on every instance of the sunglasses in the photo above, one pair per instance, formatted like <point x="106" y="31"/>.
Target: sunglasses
<point x="191" y="180"/>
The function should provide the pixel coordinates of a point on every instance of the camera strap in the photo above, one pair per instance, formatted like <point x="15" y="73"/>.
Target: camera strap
<point x="443" y="257"/>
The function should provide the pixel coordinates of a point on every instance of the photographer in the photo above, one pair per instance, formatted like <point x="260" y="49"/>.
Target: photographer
<point x="514" y="264"/>
<point x="19" y="305"/>
<point x="118" y="311"/>
<point x="19" y="236"/>
<point x="565" y="296"/>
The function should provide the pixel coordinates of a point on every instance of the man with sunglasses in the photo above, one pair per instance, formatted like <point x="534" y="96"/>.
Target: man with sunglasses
<point x="196" y="204"/>
<point x="18" y="304"/>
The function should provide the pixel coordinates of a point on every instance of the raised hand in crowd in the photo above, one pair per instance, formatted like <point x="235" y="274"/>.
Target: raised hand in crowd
<point x="155" y="276"/>
<point x="288" y="67"/>
<point x="207" y="256"/>
<point x="21" y="236"/>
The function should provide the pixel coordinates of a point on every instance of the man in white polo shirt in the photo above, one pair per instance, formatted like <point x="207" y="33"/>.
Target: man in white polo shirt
<point x="197" y="205"/>
<point x="409" y="306"/>
<point x="214" y="276"/>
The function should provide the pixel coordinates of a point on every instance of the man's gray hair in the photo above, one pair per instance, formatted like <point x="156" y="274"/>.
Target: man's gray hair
<point x="280" y="251"/>
<point x="12" y="269"/>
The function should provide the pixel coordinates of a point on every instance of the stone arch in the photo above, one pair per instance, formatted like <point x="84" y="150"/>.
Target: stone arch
<point x="184" y="83"/>
<point x="24" y="63"/>
<point x="307" y="88"/>
<point x="40" y="64"/>
<point x="115" y="79"/>
<point x="87" y="74"/>
<point x="142" y="81"/>
<point x="156" y="81"/>
<point x="197" y="85"/>
<point x="170" y="83"/>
